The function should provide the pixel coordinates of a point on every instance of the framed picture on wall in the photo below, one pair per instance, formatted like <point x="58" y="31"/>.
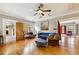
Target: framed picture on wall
<point x="45" y="25"/>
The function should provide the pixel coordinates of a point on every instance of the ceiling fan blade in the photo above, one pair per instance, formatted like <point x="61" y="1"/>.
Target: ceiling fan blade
<point x="42" y="14"/>
<point x="36" y="10"/>
<point x="46" y="10"/>
<point x="35" y="14"/>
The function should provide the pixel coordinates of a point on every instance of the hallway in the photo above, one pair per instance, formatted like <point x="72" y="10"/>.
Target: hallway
<point x="68" y="46"/>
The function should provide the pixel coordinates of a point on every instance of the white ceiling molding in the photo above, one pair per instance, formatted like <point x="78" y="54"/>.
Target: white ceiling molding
<point x="71" y="20"/>
<point x="14" y="18"/>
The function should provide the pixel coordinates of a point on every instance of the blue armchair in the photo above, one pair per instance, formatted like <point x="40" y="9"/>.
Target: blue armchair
<point x="42" y="38"/>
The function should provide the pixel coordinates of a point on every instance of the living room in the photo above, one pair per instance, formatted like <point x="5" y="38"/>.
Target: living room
<point x="39" y="29"/>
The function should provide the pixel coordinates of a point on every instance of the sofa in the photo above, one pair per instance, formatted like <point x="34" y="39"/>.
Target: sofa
<point x="42" y="38"/>
<point x="29" y="35"/>
<point x="54" y="39"/>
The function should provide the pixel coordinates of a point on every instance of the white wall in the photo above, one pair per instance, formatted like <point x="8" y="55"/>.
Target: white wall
<point x="0" y="26"/>
<point x="37" y="27"/>
<point x="53" y="26"/>
<point x="8" y="38"/>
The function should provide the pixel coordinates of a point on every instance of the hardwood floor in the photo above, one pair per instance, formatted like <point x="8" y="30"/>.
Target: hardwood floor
<point x="68" y="46"/>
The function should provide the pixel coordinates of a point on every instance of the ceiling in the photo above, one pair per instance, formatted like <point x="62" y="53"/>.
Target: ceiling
<point x="26" y="10"/>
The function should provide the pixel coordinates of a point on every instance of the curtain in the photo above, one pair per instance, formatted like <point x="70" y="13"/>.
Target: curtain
<point x="59" y="28"/>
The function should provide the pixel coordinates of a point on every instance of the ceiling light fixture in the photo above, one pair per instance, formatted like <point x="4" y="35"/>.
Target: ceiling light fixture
<point x="41" y="12"/>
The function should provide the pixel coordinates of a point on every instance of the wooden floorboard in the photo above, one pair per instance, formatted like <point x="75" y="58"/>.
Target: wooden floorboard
<point x="67" y="46"/>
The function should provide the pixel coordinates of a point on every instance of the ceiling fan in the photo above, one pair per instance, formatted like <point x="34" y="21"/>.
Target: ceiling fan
<point x="41" y="11"/>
